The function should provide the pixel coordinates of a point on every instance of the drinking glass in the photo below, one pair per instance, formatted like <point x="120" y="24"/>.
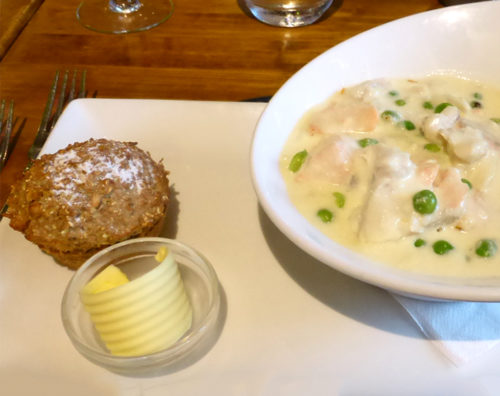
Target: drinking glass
<point x="288" y="13"/>
<point x="123" y="16"/>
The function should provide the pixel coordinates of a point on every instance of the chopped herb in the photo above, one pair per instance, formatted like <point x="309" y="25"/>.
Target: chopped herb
<point x="367" y="142"/>
<point x="419" y="242"/>
<point x="478" y="95"/>
<point x="467" y="182"/>
<point x="432" y="147"/>
<point x="427" y="105"/>
<point x="475" y="104"/>
<point x="393" y="93"/>
<point x="440" y="107"/>
<point x="400" y="102"/>
<point x="486" y="248"/>
<point x="495" y="119"/>
<point x="325" y="215"/>
<point x="297" y="161"/>
<point x="339" y="199"/>
<point x="425" y="202"/>
<point x="390" y="115"/>
<point x="442" y="247"/>
<point x="408" y="125"/>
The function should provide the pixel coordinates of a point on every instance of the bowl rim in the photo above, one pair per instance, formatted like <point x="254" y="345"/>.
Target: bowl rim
<point x="424" y="287"/>
<point x="157" y="359"/>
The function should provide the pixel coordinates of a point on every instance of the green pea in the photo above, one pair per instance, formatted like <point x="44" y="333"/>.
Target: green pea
<point x="390" y="115"/>
<point x="440" y="107"/>
<point x="419" y="242"/>
<point x="325" y="215"/>
<point x="367" y="142"/>
<point x="393" y="93"/>
<point x="478" y="95"/>
<point x="442" y="247"/>
<point x="408" y="125"/>
<point x="432" y="147"/>
<point x="400" y="102"/>
<point x="425" y="202"/>
<point x="467" y="182"/>
<point x="495" y="119"/>
<point x="486" y="248"/>
<point x="427" y="105"/>
<point x="297" y="161"/>
<point x="339" y="199"/>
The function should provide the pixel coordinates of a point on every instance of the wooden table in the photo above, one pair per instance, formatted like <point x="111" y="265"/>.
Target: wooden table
<point x="208" y="50"/>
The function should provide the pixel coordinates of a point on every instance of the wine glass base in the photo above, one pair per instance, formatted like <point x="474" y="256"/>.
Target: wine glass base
<point x="98" y="16"/>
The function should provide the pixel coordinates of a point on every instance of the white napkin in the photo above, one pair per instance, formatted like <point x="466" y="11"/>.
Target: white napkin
<point x="461" y="330"/>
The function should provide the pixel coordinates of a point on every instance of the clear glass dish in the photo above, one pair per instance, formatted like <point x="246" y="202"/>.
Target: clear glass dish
<point x="134" y="257"/>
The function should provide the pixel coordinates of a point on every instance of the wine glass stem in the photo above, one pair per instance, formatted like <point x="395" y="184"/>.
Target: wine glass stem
<point x="124" y="6"/>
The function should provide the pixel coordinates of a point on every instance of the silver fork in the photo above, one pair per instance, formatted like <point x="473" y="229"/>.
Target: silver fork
<point x="5" y="132"/>
<point x="49" y="117"/>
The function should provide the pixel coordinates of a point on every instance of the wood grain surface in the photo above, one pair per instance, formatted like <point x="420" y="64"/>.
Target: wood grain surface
<point x="14" y="15"/>
<point x="207" y="50"/>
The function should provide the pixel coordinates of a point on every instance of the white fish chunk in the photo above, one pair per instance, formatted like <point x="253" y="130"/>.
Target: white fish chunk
<point x="465" y="140"/>
<point x="369" y="90"/>
<point x="466" y="143"/>
<point x="433" y="125"/>
<point x="387" y="214"/>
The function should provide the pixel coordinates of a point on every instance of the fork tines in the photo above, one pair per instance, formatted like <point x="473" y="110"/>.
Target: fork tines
<point x="49" y="117"/>
<point x="5" y="132"/>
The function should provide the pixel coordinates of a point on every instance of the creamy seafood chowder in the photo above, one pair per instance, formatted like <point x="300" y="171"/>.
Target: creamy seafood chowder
<point x="405" y="172"/>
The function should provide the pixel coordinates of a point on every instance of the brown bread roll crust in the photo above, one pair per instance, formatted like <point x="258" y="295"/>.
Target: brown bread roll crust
<point x="88" y="196"/>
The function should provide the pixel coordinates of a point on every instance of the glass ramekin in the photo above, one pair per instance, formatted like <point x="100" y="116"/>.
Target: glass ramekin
<point x="201" y="285"/>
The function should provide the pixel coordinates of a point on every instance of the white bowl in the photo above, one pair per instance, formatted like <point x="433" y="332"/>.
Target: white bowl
<point x="462" y="40"/>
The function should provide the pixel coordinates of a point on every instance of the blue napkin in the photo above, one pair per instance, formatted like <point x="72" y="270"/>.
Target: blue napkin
<point x="463" y="331"/>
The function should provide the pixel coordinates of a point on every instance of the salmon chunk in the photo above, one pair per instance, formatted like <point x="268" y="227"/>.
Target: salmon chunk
<point x="353" y="116"/>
